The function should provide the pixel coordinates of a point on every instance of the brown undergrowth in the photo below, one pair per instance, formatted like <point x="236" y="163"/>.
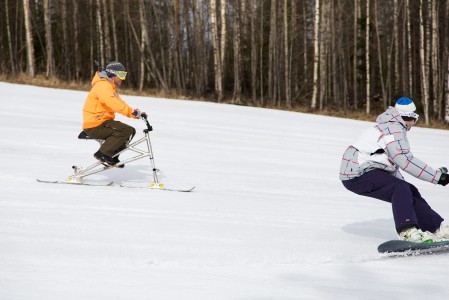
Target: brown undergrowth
<point x="330" y="110"/>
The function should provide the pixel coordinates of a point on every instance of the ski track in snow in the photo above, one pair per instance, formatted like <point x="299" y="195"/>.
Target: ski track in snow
<point x="268" y="218"/>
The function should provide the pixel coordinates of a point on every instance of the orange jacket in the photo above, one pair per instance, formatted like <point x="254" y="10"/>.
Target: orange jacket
<point x="103" y="102"/>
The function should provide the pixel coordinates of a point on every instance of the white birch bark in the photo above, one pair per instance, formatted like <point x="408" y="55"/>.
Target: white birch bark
<point x="49" y="40"/>
<point x="287" y="57"/>
<point x="216" y="50"/>
<point x="316" y="54"/>
<point x="253" y="52"/>
<point x="423" y="63"/>
<point x="367" y="61"/>
<point x="409" y="49"/>
<point x="396" y="45"/>
<point x="29" y="39"/>
<point x="435" y="50"/>
<point x="355" y="59"/>
<point x="99" y="28"/>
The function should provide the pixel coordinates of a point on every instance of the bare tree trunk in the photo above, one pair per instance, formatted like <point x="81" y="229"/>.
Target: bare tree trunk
<point x="29" y="38"/>
<point x="261" y="55"/>
<point x="294" y="81"/>
<point x="305" y="45"/>
<point x="114" y="30"/>
<point x="334" y="51"/>
<point x="142" y="49"/>
<point x="8" y="32"/>
<point x="107" y="37"/>
<point x="237" y="54"/>
<point x="316" y="54"/>
<point x="355" y="59"/>
<point x="324" y="54"/>
<point x="178" y="46"/>
<point x="143" y="25"/>
<point x="287" y="58"/>
<point x="446" y="57"/>
<point x="161" y="67"/>
<point x="435" y="63"/>
<point x="446" y="113"/>
<point x="379" y="55"/>
<point x="423" y="63"/>
<point x="272" y="66"/>
<point x="49" y="40"/>
<point x="200" y="61"/>
<point x="253" y="52"/>
<point x="65" y="42"/>
<point x="409" y="49"/>
<point x="367" y="61"/>
<point x="223" y="34"/>
<point x="75" y="39"/>
<point x="93" y="23"/>
<point x="396" y="46"/>
<point x="427" y="52"/>
<point x="100" y="40"/>
<point x="217" y="55"/>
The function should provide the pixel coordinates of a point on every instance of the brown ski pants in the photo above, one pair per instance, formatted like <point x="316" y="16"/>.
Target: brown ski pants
<point x="115" y="135"/>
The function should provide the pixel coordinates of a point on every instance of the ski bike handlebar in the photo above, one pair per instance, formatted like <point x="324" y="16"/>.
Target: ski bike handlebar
<point x="149" y="127"/>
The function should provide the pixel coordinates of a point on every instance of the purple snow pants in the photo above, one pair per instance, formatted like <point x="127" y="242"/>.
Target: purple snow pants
<point x="409" y="208"/>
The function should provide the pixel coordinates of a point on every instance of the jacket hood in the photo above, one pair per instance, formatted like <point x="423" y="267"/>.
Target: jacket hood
<point x="391" y="115"/>
<point x="101" y="76"/>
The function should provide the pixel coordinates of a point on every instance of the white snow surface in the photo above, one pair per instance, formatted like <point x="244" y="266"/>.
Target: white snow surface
<point x="269" y="218"/>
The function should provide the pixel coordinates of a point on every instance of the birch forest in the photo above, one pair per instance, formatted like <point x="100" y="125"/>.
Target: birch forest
<point x="334" y="55"/>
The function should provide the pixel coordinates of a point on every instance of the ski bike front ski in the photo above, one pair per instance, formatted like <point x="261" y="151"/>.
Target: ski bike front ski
<point x="153" y="186"/>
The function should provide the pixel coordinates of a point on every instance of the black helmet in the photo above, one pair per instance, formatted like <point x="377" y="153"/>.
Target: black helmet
<point x="114" y="68"/>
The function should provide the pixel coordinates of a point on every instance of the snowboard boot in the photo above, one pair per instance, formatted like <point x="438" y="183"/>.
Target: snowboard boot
<point x="416" y="235"/>
<point x="443" y="232"/>
<point x="104" y="159"/>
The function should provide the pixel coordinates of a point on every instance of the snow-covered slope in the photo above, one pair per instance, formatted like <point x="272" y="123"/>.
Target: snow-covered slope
<point x="268" y="219"/>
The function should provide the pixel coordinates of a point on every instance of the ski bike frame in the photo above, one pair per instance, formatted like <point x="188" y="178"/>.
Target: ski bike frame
<point x="80" y="172"/>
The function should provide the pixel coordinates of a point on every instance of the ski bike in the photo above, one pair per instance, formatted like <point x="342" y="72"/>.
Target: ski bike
<point x="82" y="172"/>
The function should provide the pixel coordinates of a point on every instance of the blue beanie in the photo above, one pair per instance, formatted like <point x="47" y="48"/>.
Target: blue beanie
<point x="405" y="104"/>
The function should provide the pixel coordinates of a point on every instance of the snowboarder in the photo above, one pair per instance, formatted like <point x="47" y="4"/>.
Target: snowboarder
<point x="370" y="167"/>
<point x="99" y="111"/>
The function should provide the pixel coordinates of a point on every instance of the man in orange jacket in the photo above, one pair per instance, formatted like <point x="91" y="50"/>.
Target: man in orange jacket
<point x="99" y="111"/>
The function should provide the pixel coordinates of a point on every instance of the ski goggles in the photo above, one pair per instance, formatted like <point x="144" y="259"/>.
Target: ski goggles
<point x="409" y="116"/>
<point x="119" y="74"/>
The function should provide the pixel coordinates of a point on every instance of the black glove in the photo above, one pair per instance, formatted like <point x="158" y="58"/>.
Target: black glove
<point x="444" y="179"/>
<point x="443" y="170"/>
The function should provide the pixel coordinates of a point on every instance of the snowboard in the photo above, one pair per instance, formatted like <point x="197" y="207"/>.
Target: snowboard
<point x="404" y="248"/>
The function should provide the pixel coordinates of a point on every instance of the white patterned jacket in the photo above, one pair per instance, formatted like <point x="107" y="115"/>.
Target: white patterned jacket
<point x="385" y="146"/>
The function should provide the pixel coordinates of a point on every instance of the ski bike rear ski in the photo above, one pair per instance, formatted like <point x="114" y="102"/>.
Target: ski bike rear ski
<point x="397" y="248"/>
<point x="80" y="173"/>
<point x="88" y="183"/>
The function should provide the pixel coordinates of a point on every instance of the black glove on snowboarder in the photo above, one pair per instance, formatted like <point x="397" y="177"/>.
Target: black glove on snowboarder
<point x="444" y="179"/>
